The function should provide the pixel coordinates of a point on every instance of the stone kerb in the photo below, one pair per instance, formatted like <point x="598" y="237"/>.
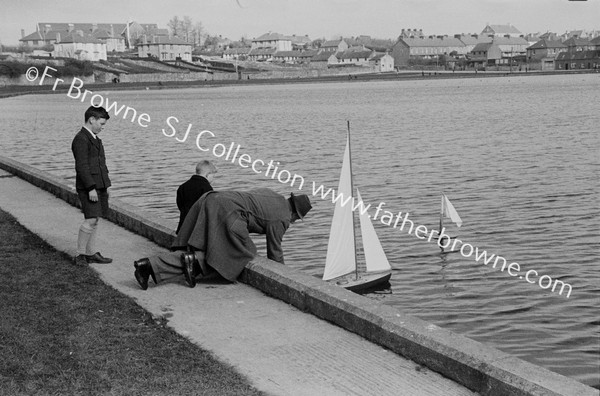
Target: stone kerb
<point x="483" y="369"/>
<point x="480" y="368"/>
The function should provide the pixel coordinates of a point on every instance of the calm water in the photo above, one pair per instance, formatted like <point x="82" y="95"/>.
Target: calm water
<point x="518" y="157"/>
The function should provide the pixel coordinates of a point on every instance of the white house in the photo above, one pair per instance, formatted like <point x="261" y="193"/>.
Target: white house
<point x="80" y="46"/>
<point x="382" y="62"/>
<point x="501" y="31"/>
<point x="165" y="49"/>
<point x="355" y="56"/>
<point x="276" y="41"/>
<point x="334" y="46"/>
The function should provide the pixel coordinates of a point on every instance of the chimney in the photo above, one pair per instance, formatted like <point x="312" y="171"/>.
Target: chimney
<point x="22" y="33"/>
<point x="57" y="37"/>
<point x="94" y="27"/>
<point x="70" y="28"/>
<point x="112" y="30"/>
<point x="47" y="28"/>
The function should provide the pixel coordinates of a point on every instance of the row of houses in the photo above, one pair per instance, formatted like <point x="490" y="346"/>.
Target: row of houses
<point x="354" y="56"/>
<point x="93" y="42"/>
<point x="496" y="45"/>
<point x="474" y="50"/>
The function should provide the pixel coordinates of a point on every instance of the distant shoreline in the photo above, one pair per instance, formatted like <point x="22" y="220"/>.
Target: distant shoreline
<point x="18" y="90"/>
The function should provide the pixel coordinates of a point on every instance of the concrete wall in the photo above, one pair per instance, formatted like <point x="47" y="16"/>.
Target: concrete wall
<point x="48" y="81"/>
<point x="309" y="72"/>
<point x="153" y="77"/>
<point x="480" y="368"/>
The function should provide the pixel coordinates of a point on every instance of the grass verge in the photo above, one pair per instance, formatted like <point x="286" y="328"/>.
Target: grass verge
<point x="65" y="332"/>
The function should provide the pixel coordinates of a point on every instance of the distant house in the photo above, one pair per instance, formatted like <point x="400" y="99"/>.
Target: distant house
<point x="334" y="46"/>
<point x="382" y="62"/>
<point x="378" y="45"/>
<point x="37" y="39"/>
<point x="114" y="35"/>
<point x="501" y="31"/>
<point x="575" y="44"/>
<point x="545" y="52"/>
<point x="113" y="43"/>
<point x="571" y="34"/>
<point x="305" y="56"/>
<point x="589" y="59"/>
<point x="401" y="53"/>
<point x="471" y="40"/>
<point x="595" y="43"/>
<point x="356" y="57"/>
<point x="323" y="59"/>
<point x="300" y="42"/>
<point x="261" y="54"/>
<point x="486" y="54"/>
<point x="81" y="46"/>
<point x="165" y="49"/>
<point x="134" y="32"/>
<point x="297" y="57"/>
<point x="429" y="47"/>
<point x="432" y="46"/>
<point x="512" y="47"/>
<point x="236" y="53"/>
<point x="550" y="36"/>
<point x="275" y="41"/>
<point x="223" y="42"/>
<point x="286" y="56"/>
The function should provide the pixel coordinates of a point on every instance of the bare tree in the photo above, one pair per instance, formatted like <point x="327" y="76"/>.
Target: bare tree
<point x="198" y="34"/>
<point x="187" y="30"/>
<point x="187" y="27"/>
<point x="175" y="26"/>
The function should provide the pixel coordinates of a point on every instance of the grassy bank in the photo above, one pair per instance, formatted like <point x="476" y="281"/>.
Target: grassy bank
<point x="64" y="332"/>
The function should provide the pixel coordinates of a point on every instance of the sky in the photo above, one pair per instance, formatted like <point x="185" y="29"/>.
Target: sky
<point x="328" y="19"/>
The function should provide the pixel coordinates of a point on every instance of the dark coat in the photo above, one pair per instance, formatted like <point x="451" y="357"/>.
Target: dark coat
<point x="188" y="193"/>
<point x="90" y="162"/>
<point x="220" y="223"/>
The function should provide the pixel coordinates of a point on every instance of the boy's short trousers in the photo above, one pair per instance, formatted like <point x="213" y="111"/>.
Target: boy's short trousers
<point x="94" y="209"/>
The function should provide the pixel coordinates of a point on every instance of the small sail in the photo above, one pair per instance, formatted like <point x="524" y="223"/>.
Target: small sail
<point x="375" y="257"/>
<point x="448" y="211"/>
<point x="341" y="259"/>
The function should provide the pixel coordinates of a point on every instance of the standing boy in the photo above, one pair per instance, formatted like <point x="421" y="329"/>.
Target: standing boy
<point x="91" y="182"/>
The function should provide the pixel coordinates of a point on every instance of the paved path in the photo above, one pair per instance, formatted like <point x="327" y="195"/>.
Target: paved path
<point x="282" y="350"/>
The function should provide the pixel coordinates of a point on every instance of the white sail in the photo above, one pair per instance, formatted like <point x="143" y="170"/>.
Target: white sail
<point x="448" y="211"/>
<point x="375" y="257"/>
<point x="341" y="258"/>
